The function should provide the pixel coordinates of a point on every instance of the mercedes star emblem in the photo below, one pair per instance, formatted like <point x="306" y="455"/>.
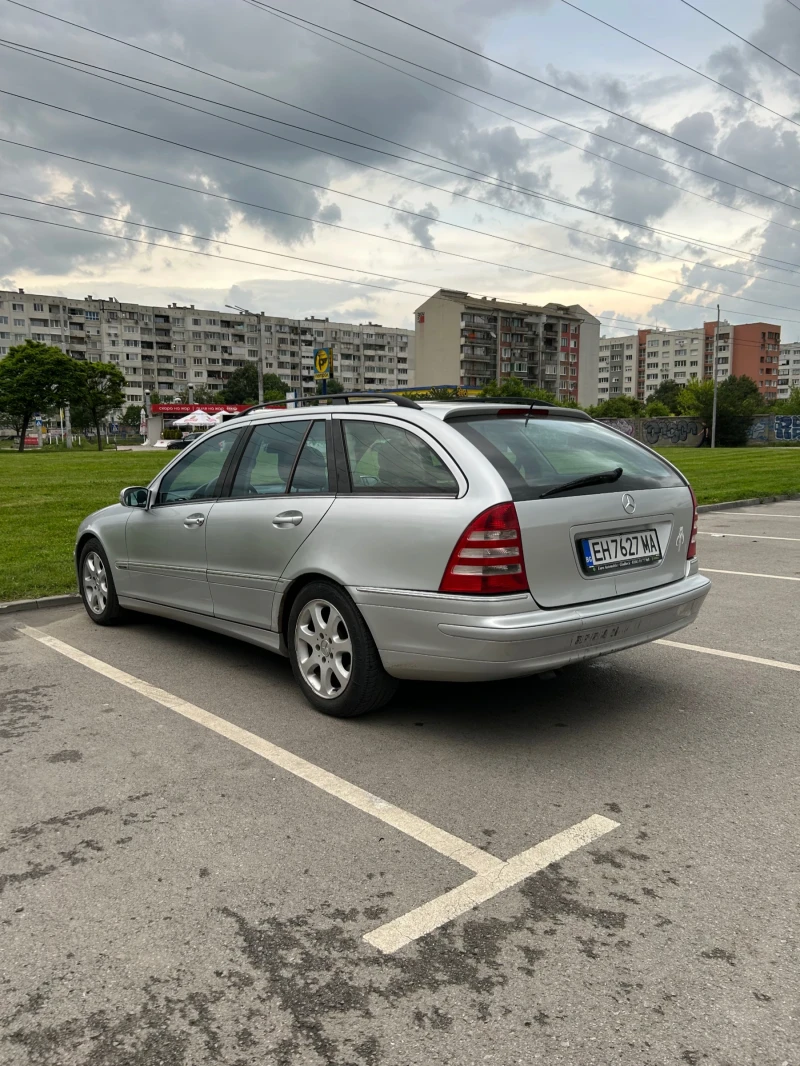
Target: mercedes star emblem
<point x="629" y="503"/>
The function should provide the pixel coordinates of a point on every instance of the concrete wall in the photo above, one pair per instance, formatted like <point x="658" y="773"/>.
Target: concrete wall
<point x="768" y="428"/>
<point x="661" y="432"/>
<point x="690" y="432"/>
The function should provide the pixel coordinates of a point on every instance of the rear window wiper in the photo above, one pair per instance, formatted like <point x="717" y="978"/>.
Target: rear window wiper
<point x="590" y="479"/>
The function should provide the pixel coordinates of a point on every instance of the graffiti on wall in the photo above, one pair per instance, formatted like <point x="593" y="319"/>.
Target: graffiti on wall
<point x="665" y="431"/>
<point x="759" y="428"/>
<point x="622" y="425"/>
<point x="787" y="427"/>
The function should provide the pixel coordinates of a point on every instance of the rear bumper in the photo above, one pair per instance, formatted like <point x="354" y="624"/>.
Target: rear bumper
<point x="432" y="637"/>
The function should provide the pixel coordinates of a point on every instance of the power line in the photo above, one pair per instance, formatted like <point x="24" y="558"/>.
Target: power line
<point x="335" y="266"/>
<point x="794" y="5"/>
<point x="686" y="66"/>
<point x="296" y="20"/>
<point x="566" y="92"/>
<point x="286" y="18"/>
<point x="614" y="323"/>
<point x="44" y="55"/>
<point x="738" y="36"/>
<point x="402" y="210"/>
<point x="278" y="211"/>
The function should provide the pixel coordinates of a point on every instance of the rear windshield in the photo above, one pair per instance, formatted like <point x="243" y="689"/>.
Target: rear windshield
<point x="551" y="451"/>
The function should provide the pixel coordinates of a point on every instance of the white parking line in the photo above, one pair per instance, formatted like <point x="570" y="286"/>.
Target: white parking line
<point x="776" y="663"/>
<point x="493" y="874"/>
<point x="745" y="536"/>
<point x="480" y="862"/>
<point x="411" y="926"/>
<point x="746" y="573"/>
<point x="757" y="514"/>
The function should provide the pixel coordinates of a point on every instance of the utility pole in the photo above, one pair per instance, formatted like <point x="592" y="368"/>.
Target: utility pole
<point x="714" y="409"/>
<point x="67" y="425"/>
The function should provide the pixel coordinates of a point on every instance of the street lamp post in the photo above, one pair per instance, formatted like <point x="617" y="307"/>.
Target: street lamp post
<point x="260" y="363"/>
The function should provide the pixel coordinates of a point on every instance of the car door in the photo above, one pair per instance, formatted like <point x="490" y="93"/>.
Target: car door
<point x="281" y="490"/>
<point x="398" y="512"/>
<point x="166" y="543"/>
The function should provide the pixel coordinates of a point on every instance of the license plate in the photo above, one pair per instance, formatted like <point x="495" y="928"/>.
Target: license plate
<point x="620" y="551"/>
<point x="599" y="636"/>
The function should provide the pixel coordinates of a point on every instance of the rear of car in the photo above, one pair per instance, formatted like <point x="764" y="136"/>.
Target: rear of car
<point x="589" y="549"/>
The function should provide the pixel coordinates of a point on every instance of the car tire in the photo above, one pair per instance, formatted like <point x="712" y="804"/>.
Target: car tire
<point x="97" y="588"/>
<point x="330" y="648"/>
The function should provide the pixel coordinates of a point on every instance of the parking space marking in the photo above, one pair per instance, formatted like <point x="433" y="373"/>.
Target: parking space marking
<point x="758" y="514"/>
<point x="423" y="920"/>
<point x="776" y="663"/>
<point x="473" y="858"/>
<point x="744" y="536"/>
<point x="746" y="573"/>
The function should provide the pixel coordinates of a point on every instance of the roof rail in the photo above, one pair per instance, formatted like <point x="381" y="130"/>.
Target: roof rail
<point x="334" y="397"/>
<point x="527" y="401"/>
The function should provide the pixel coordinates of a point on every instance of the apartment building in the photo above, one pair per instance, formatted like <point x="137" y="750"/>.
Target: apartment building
<point x="366" y="356"/>
<point x="637" y="364"/>
<point x="788" y="369"/>
<point x="461" y="340"/>
<point x="164" y="349"/>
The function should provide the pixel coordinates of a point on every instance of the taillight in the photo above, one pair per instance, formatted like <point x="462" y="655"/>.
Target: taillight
<point x="692" y="552"/>
<point x="488" y="557"/>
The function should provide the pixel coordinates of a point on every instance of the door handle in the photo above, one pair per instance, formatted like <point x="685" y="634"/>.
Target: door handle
<point x="194" y="520"/>
<point x="287" y="519"/>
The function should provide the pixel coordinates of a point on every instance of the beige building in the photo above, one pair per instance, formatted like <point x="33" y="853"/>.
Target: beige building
<point x="461" y="340"/>
<point x="165" y="349"/>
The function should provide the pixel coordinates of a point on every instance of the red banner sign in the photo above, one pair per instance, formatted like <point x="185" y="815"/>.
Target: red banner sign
<point x="187" y="408"/>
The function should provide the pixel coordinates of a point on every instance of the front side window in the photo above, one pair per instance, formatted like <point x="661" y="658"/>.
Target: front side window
<point x="282" y="453"/>
<point x="537" y="454"/>
<point x="197" y="475"/>
<point x="384" y="458"/>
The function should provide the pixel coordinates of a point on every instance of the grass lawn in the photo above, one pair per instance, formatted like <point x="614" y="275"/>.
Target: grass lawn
<point x="45" y="495"/>
<point x="737" y="473"/>
<point x="43" y="498"/>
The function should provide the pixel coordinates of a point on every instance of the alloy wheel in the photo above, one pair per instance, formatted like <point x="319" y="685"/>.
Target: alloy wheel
<point x="95" y="583"/>
<point x="323" y="648"/>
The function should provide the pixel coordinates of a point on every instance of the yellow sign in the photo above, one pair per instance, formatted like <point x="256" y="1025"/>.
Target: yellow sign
<point x="323" y="360"/>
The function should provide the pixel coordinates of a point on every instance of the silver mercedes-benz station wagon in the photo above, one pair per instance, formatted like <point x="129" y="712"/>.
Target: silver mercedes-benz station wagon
<point x="383" y="539"/>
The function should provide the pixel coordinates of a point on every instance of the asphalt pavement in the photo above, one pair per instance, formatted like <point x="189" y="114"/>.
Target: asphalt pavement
<point x="177" y="888"/>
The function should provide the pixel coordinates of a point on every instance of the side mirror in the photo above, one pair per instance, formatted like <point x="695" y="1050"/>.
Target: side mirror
<point x="133" y="496"/>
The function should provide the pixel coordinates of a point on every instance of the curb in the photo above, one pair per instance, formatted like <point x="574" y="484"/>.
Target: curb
<point x="756" y="501"/>
<point x="43" y="602"/>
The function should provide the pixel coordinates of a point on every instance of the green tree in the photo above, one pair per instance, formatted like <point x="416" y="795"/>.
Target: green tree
<point x="515" y="387"/>
<point x="242" y="386"/>
<point x="657" y="409"/>
<point x="618" y="407"/>
<point x="333" y="386"/>
<point x="98" y="392"/>
<point x="738" y="401"/>
<point x="668" y="393"/>
<point x="35" y="377"/>
<point x="132" y="415"/>
<point x="789" y="406"/>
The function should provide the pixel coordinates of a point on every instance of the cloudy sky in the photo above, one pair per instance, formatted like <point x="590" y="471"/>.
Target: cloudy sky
<point x="464" y="197"/>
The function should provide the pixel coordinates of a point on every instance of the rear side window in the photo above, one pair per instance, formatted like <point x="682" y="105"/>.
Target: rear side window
<point x="269" y="458"/>
<point x="384" y="458"/>
<point x="549" y="452"/>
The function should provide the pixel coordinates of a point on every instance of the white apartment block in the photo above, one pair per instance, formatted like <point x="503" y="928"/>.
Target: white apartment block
<point x="789" y="370"/>
<point x="164" y="349"/>
<point x="636" y="365"/>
